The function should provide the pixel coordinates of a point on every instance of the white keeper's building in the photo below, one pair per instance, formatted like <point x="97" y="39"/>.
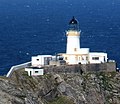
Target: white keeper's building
<point x="74" y="53"/>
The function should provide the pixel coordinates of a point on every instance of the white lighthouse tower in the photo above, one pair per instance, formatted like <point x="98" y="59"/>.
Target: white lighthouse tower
<point x="73" y="37"/>
<point x="74" y="54"/>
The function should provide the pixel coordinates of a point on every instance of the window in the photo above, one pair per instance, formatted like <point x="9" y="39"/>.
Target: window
<point x="37" y="59"/>
<point x="82" y="58"/>
<point x="45" y="58"/>
<point x="66" y="58"/>
<point x="86" y="58"/>
<point x="95" y="58"/>
<point x="36" y="71"/>
<point x="75" y="49"/>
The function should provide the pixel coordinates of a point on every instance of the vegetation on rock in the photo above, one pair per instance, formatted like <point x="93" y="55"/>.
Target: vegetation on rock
<point x="89" y="88"/>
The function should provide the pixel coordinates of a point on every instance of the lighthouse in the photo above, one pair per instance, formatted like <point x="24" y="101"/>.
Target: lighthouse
<point x="73" y="37"/>
<point x="74" y="53"/>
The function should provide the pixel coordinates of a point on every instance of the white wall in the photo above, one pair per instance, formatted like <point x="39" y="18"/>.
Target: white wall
<point x="102" y="57"/>
<point x="73" y="41"/>
<point x="40" y="72"/>
<point x="84" y="51"/>
<point x="32" y="71"/>
<point x="38" y="61"/>
<point x="72" y="59"/>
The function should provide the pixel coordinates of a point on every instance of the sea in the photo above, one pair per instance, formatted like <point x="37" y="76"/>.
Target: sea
<point x="34" y="27"/>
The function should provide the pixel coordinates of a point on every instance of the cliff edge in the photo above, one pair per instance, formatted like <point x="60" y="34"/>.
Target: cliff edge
<point x="89" y="88"/>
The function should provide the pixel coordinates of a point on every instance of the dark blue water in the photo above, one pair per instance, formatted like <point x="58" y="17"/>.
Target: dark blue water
<point x="32" y="27"/>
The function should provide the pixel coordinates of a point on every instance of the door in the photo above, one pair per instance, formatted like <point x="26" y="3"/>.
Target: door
<point x="30" y="73"/>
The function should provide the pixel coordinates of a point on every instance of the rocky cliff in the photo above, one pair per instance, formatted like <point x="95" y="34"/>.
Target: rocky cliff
<point x="89" y="88"/>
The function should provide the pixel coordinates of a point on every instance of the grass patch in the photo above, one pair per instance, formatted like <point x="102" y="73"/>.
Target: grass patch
<point x="62" y="100"/>
<point x="105" y="79"/>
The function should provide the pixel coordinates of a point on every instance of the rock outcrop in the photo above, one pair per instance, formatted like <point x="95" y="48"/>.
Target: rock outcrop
<point x="89" y="88"/>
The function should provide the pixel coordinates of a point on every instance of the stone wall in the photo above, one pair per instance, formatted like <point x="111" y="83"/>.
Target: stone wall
<point x="79" y="68"/>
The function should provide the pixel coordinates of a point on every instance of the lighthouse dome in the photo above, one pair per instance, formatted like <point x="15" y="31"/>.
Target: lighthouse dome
<point x="73" y="24"/>
<point x="73" y="21"/>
